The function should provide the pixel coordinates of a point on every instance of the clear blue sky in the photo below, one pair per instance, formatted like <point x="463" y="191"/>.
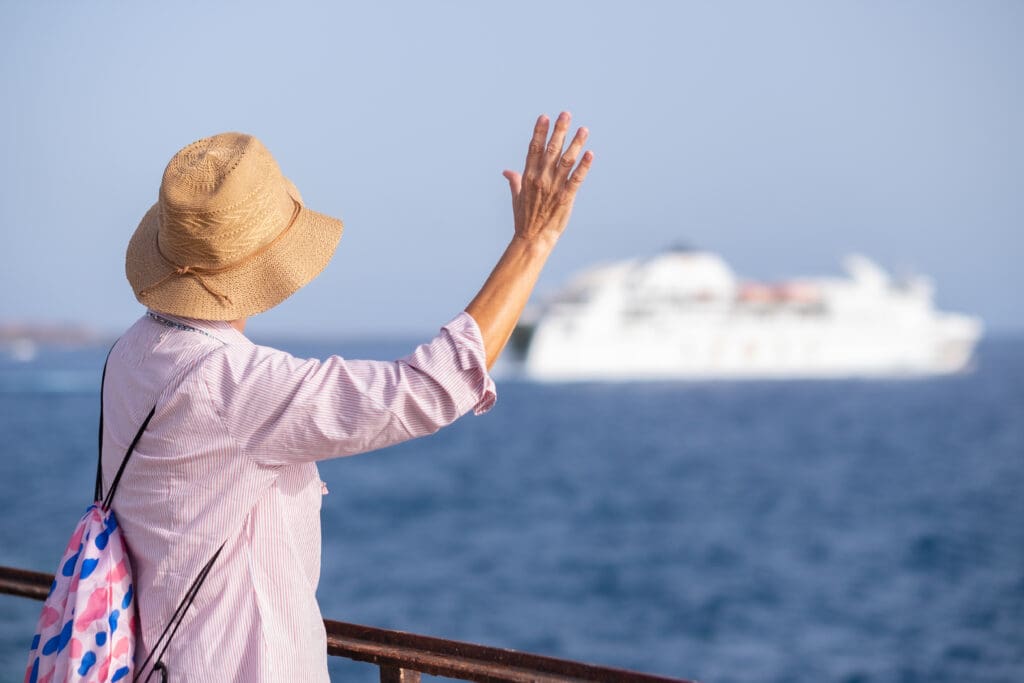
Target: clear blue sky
<point x="782" y="135"/>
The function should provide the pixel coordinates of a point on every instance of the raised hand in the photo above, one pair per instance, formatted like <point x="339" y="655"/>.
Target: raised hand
<point x="543" y="195"/>
<point x="542" y="200"/>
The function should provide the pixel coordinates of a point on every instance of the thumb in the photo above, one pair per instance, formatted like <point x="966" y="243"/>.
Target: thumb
<point x="515" y="182"/>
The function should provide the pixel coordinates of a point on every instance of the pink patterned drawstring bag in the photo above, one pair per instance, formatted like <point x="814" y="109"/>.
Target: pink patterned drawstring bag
<point x="85" y="632"/>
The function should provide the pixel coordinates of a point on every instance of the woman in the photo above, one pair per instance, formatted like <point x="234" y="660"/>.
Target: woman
<point x="224" y="476"/>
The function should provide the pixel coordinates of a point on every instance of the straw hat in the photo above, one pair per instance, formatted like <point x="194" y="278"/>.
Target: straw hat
<point x="229" y="236"/>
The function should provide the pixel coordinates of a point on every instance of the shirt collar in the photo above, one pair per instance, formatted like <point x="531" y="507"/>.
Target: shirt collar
<point x="220" y="330"/>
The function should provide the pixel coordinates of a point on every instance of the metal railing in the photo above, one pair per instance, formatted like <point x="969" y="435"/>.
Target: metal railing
<point x="402" y="657"/>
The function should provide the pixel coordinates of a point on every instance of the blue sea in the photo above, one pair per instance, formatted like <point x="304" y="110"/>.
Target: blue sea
<point x="853" y="531"/>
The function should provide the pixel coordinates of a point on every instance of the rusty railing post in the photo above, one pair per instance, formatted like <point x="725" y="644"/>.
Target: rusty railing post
<point x="394" y="674"/>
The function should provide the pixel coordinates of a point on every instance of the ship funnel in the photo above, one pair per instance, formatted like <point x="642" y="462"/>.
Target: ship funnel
<point x="865" y="271"/>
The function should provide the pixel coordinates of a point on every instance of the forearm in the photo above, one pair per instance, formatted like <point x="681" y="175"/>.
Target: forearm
<point x="500" y="302"/>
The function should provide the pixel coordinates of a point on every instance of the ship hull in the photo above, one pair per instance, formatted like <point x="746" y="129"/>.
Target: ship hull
<point x="740" y="350"/>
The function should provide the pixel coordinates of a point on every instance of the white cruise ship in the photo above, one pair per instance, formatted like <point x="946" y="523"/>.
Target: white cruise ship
<point x="685" y="315"/>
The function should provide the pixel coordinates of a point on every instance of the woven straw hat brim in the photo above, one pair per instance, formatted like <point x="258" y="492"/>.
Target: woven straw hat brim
<point x="253" y="286"/>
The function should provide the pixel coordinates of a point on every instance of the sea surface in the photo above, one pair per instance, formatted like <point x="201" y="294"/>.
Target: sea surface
<point x="847" y="531"/>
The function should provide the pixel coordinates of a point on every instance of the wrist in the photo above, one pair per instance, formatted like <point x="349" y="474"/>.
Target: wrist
<point x="540" y="244"/>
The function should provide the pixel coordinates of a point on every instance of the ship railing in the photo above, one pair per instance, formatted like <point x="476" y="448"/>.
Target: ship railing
<point x="402" y="657"/>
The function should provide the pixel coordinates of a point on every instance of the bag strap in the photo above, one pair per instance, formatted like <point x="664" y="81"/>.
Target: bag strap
<point x="164" y="641"/>
<point x="124" y="462"/>
<point x="98" y="495"/>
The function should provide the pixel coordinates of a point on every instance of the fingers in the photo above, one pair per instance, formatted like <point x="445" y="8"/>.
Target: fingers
<point x="580" y="174"/>
<point x="515" y="182"/>
<point x="554" y="148"/>
<point x="535" y="153"/>
<point x="568" y="159"/>
<point x="548" y="160"/>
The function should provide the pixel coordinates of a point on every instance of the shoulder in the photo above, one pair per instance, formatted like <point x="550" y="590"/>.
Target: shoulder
<point x="254" y="368"/>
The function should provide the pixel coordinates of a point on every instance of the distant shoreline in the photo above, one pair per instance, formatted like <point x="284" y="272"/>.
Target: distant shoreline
<point x="50" y="334"/>
<point x="79" y="335"/>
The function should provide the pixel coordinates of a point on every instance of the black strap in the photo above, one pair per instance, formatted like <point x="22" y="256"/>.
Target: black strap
<point x="99" y="457"/>
<point x="164" y="641"/>
<point x="99" y="449"/>
<point x="124" y="462"/>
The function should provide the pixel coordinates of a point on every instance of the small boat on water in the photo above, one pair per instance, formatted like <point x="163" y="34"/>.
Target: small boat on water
<point x="684" y="314"/>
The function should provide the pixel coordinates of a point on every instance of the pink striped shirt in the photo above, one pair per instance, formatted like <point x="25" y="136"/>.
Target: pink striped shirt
<point x="230" y="455"/>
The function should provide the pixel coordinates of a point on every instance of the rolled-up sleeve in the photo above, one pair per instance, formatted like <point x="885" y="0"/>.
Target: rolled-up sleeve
<point x="463" y="369"/>
<point x="282" y="410"/>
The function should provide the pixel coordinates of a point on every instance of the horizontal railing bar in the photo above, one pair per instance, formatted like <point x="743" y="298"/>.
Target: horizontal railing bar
<point x="397" y="649"/>
<point x="467" y="661"/>
<point x="27" y="584"/>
